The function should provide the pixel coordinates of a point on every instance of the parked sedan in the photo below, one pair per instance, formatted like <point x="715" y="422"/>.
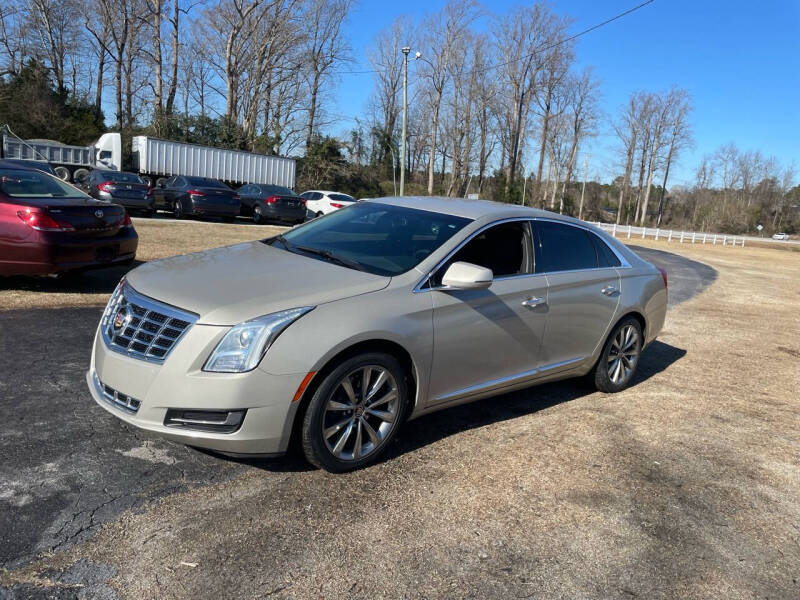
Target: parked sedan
<point x="14" y="163"/>
<point x="343" y="328"/>
<point x="196" y="196"/>
<point x="49" y="226"/>
<point x="127" y="189"/>
<point x="271" y="203"/>
<point x="321" y="203"/>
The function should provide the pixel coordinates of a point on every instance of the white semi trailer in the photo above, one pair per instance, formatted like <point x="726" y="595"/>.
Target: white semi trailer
<point x="152" y="158"/>
<point x="155" y="158"/>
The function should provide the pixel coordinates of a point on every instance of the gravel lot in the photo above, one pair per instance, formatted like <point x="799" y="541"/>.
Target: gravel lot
<point x="684" y="485"/>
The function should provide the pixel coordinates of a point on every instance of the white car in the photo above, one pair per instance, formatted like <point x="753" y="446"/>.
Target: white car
<point x="780" y="236"/>
<point x="319" y="202"/>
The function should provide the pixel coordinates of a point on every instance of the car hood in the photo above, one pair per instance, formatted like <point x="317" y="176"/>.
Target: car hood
<point x="229" y="285"/>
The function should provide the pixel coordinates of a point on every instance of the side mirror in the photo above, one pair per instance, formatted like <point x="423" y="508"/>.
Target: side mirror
<point x="161" y="185"/>
<point x="466" y="276"/>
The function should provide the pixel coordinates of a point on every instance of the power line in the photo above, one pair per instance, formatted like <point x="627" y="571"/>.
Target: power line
<point x="540" y="49"/>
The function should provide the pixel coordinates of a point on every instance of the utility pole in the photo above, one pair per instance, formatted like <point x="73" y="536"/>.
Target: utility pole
<point x="406" y="50"/>
<point x="583" y="189"/>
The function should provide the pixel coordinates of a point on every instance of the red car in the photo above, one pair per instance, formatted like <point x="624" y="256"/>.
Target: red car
<point x="48" y="226"/>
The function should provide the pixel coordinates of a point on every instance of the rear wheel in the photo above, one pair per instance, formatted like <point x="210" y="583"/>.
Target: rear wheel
<point x="62" y="173"/>
<point x="620" y="357"/>
<point x="355" y="412"/>
<point x="319" y="214"/>
<point x="177" y="210"/>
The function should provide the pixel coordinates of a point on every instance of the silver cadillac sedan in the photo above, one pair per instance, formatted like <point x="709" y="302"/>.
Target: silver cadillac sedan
<point x="338" y="331"/>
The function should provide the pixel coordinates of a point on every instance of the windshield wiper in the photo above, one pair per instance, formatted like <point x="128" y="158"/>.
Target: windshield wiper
<point x="345" y="262"/>
<point x="286" y="243"/>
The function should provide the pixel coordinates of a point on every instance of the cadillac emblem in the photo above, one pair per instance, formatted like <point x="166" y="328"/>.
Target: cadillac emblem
<point x="99" y="213"/>
<point x="121" y="319"/>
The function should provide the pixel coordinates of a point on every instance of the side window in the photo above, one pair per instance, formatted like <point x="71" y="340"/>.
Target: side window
<point x="605" y="256"/>
<point x="504" y="248"/>
<point x="562" y="247"/>
<point x="246" y="190"/>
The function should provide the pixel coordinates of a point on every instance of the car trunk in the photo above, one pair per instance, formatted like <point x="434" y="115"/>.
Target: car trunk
<point x="87" y="218"/>
<point x="288" y="201"/>
<point x="218" y="195"/>
<point x="134" y="191"/>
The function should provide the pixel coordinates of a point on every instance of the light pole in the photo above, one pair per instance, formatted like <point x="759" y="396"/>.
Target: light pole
<point x="406" y="50"/>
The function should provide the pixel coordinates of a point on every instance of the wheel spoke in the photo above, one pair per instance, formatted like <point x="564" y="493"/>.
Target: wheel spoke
<point x="366" y="375"/>
<point x="357" y="447"/>
<point x="334" y="428"/>
<point x="382" y="415"/>
<point x="377" y="385"/>
<point x="616" y="368"/>
<point x="387" y="397"/>
<point x="337" y="449"/>
<point x="333" y="405"/>
<point x="348" y="389"/>
<point x="373" y="435"/>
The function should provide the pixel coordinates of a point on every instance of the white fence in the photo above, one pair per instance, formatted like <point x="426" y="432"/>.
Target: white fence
<point x="670" y="235"/>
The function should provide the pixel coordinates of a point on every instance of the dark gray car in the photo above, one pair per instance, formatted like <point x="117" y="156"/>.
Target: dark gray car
<point x="185" y="195"/>
<point x="272" y="203"/>
<point x="119" y="187"/>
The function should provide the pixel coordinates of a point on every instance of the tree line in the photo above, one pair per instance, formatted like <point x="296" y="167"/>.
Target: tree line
<point x="498" y="105"/>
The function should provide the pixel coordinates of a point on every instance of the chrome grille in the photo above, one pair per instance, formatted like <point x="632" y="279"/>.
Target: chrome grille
<point x="116" y="398"/>
<point x="141" y="327"/>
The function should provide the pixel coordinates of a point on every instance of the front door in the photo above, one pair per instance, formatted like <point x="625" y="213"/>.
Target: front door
<point x="485" y="340"/>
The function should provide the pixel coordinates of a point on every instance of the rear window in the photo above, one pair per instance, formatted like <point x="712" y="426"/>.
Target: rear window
<point x="209" y="183"/>
<point x="341" y="197"/>
<point x="277" y="189"/>
<point x="121" y="177"/>
<point x="561" y="247"/>
<point x="35" y="184"/>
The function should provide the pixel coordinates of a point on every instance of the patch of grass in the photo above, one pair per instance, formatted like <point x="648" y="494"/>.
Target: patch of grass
<point x="158" y="238"/>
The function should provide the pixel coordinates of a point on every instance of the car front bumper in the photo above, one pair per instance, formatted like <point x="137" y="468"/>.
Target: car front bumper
<point x="179" y="384"/>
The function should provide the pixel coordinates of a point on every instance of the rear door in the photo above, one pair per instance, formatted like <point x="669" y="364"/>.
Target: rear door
<point x="485" y="340"/>
<point x="583" y="293"/>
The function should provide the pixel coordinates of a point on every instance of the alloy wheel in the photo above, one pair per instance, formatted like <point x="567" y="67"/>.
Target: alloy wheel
<point x="360" y="413"/>
<point x="257" y="214"/>
<point x="623" y="354"/>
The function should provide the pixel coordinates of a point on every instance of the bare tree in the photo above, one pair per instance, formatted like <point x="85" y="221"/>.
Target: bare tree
<point x="325" y="47"/>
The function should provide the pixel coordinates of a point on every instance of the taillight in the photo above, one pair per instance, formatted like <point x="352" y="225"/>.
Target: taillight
<point x="41" y="221"/>
<point x="149" y="191"/>
<point x="271" y="200"/>
<point x="195" y="193"/>
<point x="337" y="205"/>
<point x="126" y="221"/>
<point x="106" y="186"/>
<point x="237" y="197"/>
<point x="663" y="276"/>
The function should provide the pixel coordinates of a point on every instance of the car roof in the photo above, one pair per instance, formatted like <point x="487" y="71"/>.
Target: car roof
<point x="328" y="192"/>
<point x="469" y="209"/>
<point x="16" y="163"/>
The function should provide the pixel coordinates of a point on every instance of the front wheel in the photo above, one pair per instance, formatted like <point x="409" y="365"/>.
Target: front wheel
<point x="258" y="216"/>
<point x="177" y="209"/>
<point x="617" y="363"/>
<point x="355" y="412"/>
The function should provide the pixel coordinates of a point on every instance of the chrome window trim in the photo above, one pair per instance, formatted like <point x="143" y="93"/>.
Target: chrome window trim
<point x="624" y="264"/>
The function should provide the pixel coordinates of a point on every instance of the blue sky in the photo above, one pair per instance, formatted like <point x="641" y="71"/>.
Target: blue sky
<point x="739" y="60"/>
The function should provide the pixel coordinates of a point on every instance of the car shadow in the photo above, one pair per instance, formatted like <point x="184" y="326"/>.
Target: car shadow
<point x="434" y="427"/>
<point x="92" y="281"/>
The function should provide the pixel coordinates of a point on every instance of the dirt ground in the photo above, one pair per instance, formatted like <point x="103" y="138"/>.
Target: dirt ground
<point x="683" y="486"/>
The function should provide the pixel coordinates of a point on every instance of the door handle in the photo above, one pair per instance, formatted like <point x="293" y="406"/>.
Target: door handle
<point x="610" y="290"/>
<point x="533" y="302"/>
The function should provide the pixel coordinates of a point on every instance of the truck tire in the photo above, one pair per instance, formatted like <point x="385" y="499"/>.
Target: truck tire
<point x="80" y="176"/>
<point x="62" y="173"/>
<point x="147" y="180"/>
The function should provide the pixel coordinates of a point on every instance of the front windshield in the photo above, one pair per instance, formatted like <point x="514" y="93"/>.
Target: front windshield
<point x="24" y="183"/>
<point x="378" y="238"/>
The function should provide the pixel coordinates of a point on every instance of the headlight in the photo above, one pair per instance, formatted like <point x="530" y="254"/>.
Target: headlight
<point x="245" y="344"/>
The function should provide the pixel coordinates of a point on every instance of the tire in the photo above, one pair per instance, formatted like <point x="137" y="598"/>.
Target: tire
<point x="258" y="217"/>
<point x="319" y="214"/>
<point x="80" y="176"/>
<point x="228" y="219"/>
<point x="177" y="209"/>
<point x="612" y="374"/>
<point x="349" y="419"/>
<point x="62" y="173"/>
